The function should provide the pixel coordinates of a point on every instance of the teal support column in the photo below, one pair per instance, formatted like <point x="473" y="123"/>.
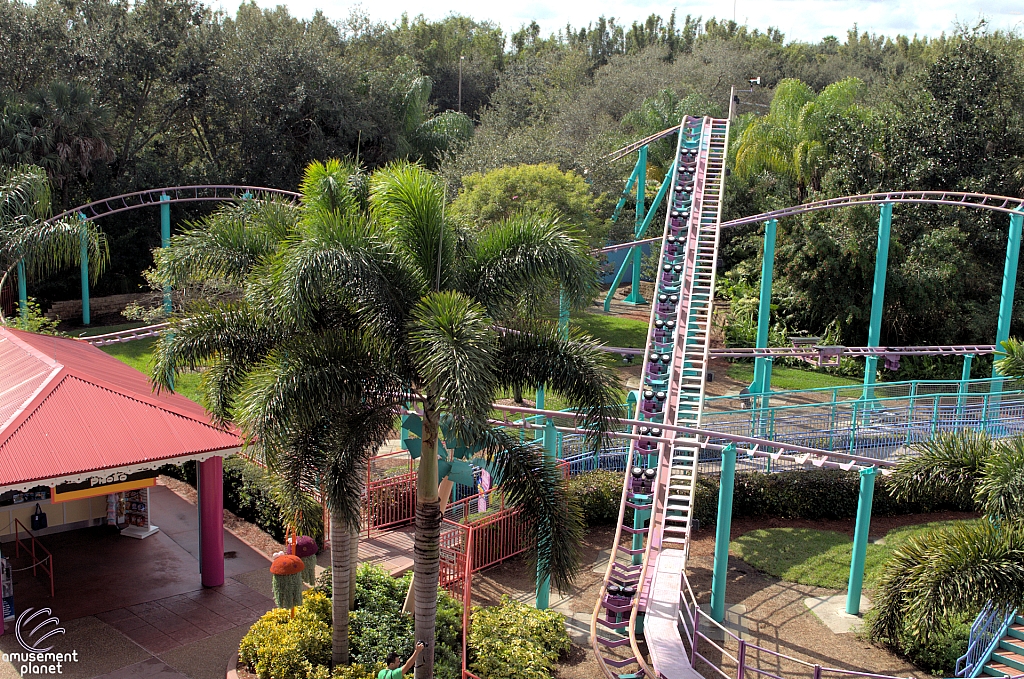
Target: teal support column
<point x="22" y="291"/>
<point x="726" y="482"/>
<point x="563" y="315"/>
<point x="877" y="297"/>
<point x="165" y="241"/>
<point x="641" y="180"/>
<point x="83" y="254"/>
<point x="1006" y="296"/>
<point x="860" y="540"/>
<point x="762" y="366"/>
<point x="965" y="380"/>
<point x="550" y="453"/>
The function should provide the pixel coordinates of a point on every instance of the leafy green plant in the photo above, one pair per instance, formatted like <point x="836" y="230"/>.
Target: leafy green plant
<point x="279" y="646"/>
<point x="598" y="493"/>
<point x="378" y="626"/>
<point x="516" y="641"/>
<point x="34" y="320"/>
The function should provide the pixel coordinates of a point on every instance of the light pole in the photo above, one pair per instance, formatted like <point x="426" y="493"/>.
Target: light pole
<point x="461" y="59"/>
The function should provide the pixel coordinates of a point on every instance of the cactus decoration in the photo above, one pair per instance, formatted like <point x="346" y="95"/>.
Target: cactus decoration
<point x="287" y="571"/>
<point x="305" y="548"/>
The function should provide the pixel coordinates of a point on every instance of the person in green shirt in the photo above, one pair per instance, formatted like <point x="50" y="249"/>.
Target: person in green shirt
<point x="395" y="670"/>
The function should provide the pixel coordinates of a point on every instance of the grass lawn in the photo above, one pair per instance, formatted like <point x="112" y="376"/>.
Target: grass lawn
<point x="819" y="558"/>
<point x="784" y="378"/>
<point x="614" y="331"/>
<point x="103" y="330"/>
<point x="139" y="355"/>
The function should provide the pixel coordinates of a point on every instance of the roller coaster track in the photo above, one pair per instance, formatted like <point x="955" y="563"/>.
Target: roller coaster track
<point x="176" y="194"/>
<point x="980" y="201"/>
<point x="644" y="578"/>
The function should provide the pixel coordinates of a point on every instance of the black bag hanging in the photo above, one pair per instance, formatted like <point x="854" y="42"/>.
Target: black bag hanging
<point x="38" y="518"/>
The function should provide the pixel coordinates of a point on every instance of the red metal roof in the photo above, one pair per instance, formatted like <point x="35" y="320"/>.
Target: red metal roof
<point x="67" y="409"/>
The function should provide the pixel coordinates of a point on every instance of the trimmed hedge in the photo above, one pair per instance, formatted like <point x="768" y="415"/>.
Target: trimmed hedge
<point x="813" y="494"/>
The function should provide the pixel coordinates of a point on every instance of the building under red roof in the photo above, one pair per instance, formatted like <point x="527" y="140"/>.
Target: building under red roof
<point x="82" y="435"/>
<point x="69" y="411"/>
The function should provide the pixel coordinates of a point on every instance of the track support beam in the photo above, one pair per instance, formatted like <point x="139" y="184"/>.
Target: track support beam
<point x="860" y="540"/>
<point x="877" y="298"/>
<point x="727" y="481"/>
<point x="762" y="366"/>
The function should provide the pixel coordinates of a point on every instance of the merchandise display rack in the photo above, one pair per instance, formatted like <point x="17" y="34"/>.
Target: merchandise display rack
<point x="136" y="514"/>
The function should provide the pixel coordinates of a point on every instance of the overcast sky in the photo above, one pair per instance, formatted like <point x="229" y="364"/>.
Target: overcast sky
<point x="808" y="20"/>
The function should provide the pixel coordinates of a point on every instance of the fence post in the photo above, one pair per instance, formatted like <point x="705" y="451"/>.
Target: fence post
<point x="965" y="382"/>
<point x="860" y="541"/>
<point x="722" y="530"/>
<point x="741" y="659"/>
<point x="696" y="629"/>
<point x="83" y="256"/>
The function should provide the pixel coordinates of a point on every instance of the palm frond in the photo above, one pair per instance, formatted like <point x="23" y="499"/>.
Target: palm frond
<point x="1000" y="490"/>
<point x="947" y="466"/>
<point x="228" y="244"/>
<point x="949" y="572"/>
<point x="326" y="186"/>
<point x="1012" y="363"/>
<point x="532" y="483"/>
<point x="535" y="353"/>
<point x="451" y="345"/>
<point x="522" y="253"/>
<point x="342" y="259"/>
<point x="409" y="201"/>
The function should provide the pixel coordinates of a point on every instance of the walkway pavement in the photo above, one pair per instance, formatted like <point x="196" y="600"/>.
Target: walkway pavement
<point x="135" y="609"/>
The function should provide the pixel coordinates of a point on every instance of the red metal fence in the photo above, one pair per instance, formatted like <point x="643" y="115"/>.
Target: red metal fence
<point x="390" y="499"/>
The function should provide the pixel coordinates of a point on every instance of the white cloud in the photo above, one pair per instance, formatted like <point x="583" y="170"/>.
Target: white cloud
<point x="798" y="19"/>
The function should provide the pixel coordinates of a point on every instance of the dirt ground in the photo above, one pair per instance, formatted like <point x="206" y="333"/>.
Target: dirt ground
<point x="776" y="617"/>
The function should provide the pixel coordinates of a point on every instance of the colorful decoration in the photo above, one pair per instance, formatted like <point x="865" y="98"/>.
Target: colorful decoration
<point x="305" y="548"/>
<point x="287" y="571"/>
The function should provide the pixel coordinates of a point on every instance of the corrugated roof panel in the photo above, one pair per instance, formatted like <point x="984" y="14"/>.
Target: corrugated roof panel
<point x="98" y="414"/>
<point x="21" y="374"/>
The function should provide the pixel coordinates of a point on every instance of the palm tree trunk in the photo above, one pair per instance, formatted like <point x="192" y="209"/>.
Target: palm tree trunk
<point x="426" y="550"/>
<point x="353" y="561"/>
<point x="341" y="580"/>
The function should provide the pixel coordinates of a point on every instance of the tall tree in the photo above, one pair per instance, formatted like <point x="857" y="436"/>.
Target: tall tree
<point x="312" y="394"/>
<point x="447" y="304"/>
<point x="25" y="235"/>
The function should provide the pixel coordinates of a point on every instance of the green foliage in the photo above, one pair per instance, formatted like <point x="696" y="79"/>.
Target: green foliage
<point x="798" y="495"/>
<point x="614" y="331"/>
<point x="820" y="558"/>
<point x="34" y="320"/>
<point x="598" y="493"/>
<point x="378" y="625"/>
<point x="281" y="647"/>
<point x="495" y="196"/>
<point x="516" y="641"/>
<point x="938" y="655"/>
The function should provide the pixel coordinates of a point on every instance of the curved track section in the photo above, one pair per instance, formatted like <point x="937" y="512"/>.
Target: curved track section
<point x="979" y="201"/>
<point x="644" y="577"/>
<point x="176" y="194"/>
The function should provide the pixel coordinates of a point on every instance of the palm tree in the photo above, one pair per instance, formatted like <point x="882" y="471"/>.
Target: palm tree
<point x="791" y="140"/>
<point x="954" y="571"/>
<point x="451" y="308"/>
<point x="25" y="236"/>
<point x="311" y="394"/>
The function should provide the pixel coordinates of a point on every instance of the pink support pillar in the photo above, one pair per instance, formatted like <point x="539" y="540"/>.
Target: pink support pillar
<point x="211" y="521"/>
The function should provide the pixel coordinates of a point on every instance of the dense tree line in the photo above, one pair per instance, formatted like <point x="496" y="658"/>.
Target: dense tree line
<point x="110" y="96"/>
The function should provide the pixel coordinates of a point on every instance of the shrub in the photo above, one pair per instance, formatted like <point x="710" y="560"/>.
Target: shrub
<point x="378" y="626"/>
<point x="939" y="654"/>
<point x="813" y="494"/>
<point x="279" y="646"/>
<point x="516" y="641"/>
<point x="598" y="493"/>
